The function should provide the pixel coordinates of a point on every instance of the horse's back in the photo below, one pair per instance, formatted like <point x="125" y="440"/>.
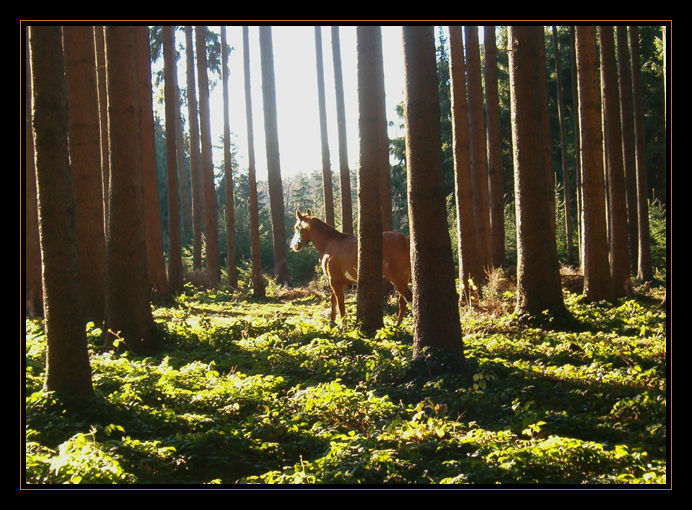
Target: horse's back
<point x="395" y="256"/>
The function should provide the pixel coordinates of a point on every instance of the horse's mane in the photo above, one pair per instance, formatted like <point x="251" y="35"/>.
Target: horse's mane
<point x="325" y="228"/>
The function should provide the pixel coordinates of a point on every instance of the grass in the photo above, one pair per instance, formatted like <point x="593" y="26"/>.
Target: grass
<point x="253" y="391"/>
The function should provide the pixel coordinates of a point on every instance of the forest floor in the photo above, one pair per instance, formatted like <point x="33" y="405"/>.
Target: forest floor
<point x="251" y="391"/>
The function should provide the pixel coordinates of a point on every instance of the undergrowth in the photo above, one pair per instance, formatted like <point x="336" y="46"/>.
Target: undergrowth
<point x="251" y="391"/>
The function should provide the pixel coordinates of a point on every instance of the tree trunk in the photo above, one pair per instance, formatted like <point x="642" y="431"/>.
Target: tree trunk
<point x="257" y="278"/>
<point x="479" y="163"/>
<point x="566" y="188"/>
<point x="128" y="311"/>
<point x="195" y="168"/>
<point x="468" y="255"/>
<point x="99" y="46"/>
<point x="228" y="170"/>
<point x="597" y="281"/>
<point x="183" y="174"/>
<point x="152" y="211"/>
<point x="619" y="245"/>
<point x="32" y="245"/>
<point x="327" y="193"/>
<point x="276" y="197"/>
<point x="370" y="104"/>
<point x="85" y="160"/>
<point x="577" y="144"/>
<point x="211" y="230"/>
<point x="496" y="191"/>
<point x="67" y="358"/>
<point x="627" y="120"/>
<point x="644" y="266"/>
<point x="435" y="311"/>
<point x="175" y="260"/>
<point x="538" y="272"/>
<point x="344" y="172"/>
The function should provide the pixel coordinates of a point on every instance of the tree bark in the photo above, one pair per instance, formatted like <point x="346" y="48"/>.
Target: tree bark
<point x="468" y="255"/>
<point x="152" y="211"/>
<point x="496" y="191"/>
<point x="644" y="266"/>
<point x="597" y="280"/>
<point x="128" y="310"/>
<point x="479" y="163"/>
<point x="195" y="164"/>
<point x="370" y="106"/>
<point x="99" y="45"/>
<point x="67" y="358"/>
<point x="629" y="160"/>
<point x="538" y="273"/>
<point x="228" y="170"/>
<point x="276" y="199"/>
<point x="566" y="186"/>
<point x="257" y="278"/>
<point x="435" y="310"/>
<point x="175" y="260"/>
<point x="211" y="229"/>
<point x="344" y="172"/>
<point x="327" y="194"/>
<point x="619" y="244"/>
<point x="577" y="144"/>
<point x="85" y="160"/>
<point x="32" y="245"/>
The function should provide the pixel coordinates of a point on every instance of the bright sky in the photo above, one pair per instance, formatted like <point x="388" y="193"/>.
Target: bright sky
<point x="296" y="89"/>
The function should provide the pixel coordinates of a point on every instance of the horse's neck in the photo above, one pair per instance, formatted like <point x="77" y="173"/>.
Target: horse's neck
<point x="323" y="234"/>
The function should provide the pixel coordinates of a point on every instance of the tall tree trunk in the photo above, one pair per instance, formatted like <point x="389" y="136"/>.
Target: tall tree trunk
<point x="195" y="164"/>
<point x="566" y="187"/>
<point x="542" y="89"/>
<point x="479" y="163"/>
<point x="644" y="266"/>
<point x="327" y="193"/>
<point x="32" y="245"/>
<point x="344" y="172"/>
<point x="85" y="160"/>
<point x="211" y="230"/>
<point x="128" y="311"/>
<point x="468" y="255"/>
<point x="183" y="174"/>
<point x="228" y="170"/>
<point x="276" y="199"/>
<point x="577" y="143"/>
<point x="257" y="278"/>
<point x="538" y="272"/>
<point x="435" y="311"/>
<point x="175" y="260"/>
<point x="67" y="358"/>
<point x="496" y="191"/>
<point x="619" y="245"/>
<point x="597" y="281"/>
<point x="627" y="121"/>
<point x="370" y="104"/>
<point x="99" y="46"/>
<point x="152" y="211"/>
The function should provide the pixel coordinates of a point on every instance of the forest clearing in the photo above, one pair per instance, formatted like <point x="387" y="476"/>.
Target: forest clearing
<point x="476" y="296"/>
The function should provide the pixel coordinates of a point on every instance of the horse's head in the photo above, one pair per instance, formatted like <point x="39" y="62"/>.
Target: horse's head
<point x="301" y="237"/>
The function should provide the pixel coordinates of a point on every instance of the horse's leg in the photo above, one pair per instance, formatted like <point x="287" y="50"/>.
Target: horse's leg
<point x="333" y="313"/>
<point x="338" y="290"/>
<point x="404" y="296"/>
<point x="402" y="309"/>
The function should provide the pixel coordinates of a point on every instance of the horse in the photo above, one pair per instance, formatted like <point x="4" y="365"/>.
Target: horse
<point x="339" y="259"/>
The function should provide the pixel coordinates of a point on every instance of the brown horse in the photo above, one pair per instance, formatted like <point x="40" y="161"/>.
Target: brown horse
<point x="339" y="258"/>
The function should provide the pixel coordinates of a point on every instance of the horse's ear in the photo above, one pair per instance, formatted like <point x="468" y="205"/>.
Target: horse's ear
<point x="298" y="215"/>
<point x="308" y="212"/>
